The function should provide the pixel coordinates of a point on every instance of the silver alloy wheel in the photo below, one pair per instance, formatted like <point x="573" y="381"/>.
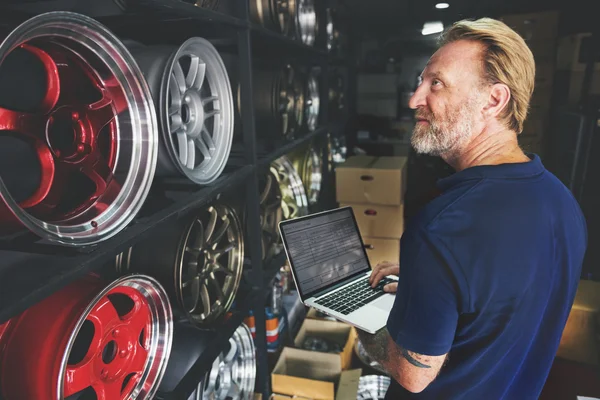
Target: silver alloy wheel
<point x="116" y="161"/>
<point x="372" y="387"/>
<point x="233" y="373"/>
<point x="291" y="102"/>
<point x="271" y="214"/>
<point x="365" y="358"/>
<point x="306" y="22"/>
<point x="211" y="264"/>
<point x="293" y="201"/>
<point x="196" y="110"/>
<point x="308" y="163"/>
<point x="312" y="102"/>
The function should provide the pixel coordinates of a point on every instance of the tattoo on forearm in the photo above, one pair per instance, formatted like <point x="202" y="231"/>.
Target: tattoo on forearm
<point x="412" y="358"/>
<point x="376" y="345"/>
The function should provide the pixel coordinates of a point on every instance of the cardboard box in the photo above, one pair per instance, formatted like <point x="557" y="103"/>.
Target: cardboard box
<point x="379" y="221"/>
<point x="312" y="375"/>
<point x="580" y="340"/>
<point x="534" y="26"/>
<point x="337" y="332"/>
<point x="373" y="180"/>
<point x="379" y="250"/>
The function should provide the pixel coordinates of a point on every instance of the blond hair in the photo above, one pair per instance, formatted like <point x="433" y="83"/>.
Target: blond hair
<point x="506" y="59"/>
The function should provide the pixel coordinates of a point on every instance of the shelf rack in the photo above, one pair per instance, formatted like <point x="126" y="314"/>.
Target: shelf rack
<point x="31" y="270"/>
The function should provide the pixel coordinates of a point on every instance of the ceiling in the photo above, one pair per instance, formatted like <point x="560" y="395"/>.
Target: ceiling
<point x="385" y="18"/>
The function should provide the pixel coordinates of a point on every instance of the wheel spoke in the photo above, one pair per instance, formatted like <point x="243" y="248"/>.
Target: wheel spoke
<point x="179" y="77"/>
<point x="220" y="268"/>
<point x="139" y="318"/>
<point x="30" y="125"/>
<point x="207" y="138"/>
<point x="78" y="377"/>
<point x="104" y="315"/>
<point x="201" y="74"/>
<point x="210" y="227"/>
<point x="183" y="147"/>
<point x="96" y="168"/>
<point x="220" y="232"/>
<point x="220" y="295"/>
<point x="203" y="148"/>
<point x="108" y="391"/>
<point x="211" y="113"/>
<point x="205" y="299"/>
<point x="176" y="124"/>
<point x="52" y="78"/>
<point x="191" y="150"/>
<point x="114" y="91"/>
<point x="209" y="99"/>
<point x="139" y="360"/>
<point x="225" y="249"/>
<point x="194" y="285"/>
<point x="100" y="114"/>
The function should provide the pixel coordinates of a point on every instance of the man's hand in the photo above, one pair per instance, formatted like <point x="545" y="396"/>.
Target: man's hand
<point x="382" y="270"/>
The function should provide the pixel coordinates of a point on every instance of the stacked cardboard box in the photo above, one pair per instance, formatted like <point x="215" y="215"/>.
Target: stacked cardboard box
<point x="306" y="374"/>
<point x="374" y="188"/>
<point x="540" y="31"/>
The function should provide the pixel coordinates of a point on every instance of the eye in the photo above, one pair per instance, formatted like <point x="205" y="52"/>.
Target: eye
<point x="436" y="82"/>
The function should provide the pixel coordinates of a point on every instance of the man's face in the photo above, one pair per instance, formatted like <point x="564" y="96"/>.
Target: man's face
<point x="449" y="99"/>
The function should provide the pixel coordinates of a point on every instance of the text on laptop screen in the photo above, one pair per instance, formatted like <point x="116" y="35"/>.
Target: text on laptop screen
<point x="324" y="249"/>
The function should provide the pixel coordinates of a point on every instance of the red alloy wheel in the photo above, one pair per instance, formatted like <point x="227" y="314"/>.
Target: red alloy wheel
<point x="70" y="137"/>
<point x="92" y="131"/>
<point x="89" y="341"/>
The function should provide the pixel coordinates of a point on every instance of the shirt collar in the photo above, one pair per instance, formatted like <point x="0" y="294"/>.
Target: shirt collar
<point x="527" y="169"/>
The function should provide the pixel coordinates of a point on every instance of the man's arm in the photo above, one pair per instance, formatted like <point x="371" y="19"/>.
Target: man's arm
<point x="411" y="370"/>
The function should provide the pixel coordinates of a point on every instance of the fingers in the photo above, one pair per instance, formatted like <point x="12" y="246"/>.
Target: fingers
<point x="382" y="270"/>
<point x="391" y="287"/>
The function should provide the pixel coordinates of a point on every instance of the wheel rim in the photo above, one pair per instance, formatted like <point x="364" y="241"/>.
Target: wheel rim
<point x="291" y="102"/>
<point x="93" y="132"/>
<point x="196" y="111"/>
<point x="273" y="14"/>
<point x="271" y="214"/>
<point x="366" y="359"/>
<point x="330" y="30"/>
<point x="313" y="102"/>
<point x="118" y="347"/>
<point x="337" y="150"/>
<point x="372" y="387"/>
<point x="212" y="256"/>
<point x="306" y="22"/>
<point x="309" y="165"/>
<point x="293" y="197"/>
<point x="233" y="373"/>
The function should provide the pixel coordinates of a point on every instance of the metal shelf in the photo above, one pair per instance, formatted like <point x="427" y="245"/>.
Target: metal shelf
<point x="288" y="147"/>
<point x="26" y="279"/>
<point x="178" y="8"/>
<point x="218" y="339"/>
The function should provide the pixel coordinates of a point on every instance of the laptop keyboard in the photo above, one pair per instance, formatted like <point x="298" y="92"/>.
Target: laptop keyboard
<point x="353" y="297"/>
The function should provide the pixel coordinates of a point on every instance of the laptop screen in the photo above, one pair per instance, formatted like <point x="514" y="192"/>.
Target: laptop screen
<point x="324" y="249"/>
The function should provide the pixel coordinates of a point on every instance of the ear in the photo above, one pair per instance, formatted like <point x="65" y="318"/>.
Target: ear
<point x="499" y="98"/>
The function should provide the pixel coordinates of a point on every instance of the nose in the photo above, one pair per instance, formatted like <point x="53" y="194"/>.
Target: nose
<point x="418" y="99"/>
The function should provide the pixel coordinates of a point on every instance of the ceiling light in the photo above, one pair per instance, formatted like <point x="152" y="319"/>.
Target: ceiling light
<point x="441" y="6"/>
<point x="430" y="28"/>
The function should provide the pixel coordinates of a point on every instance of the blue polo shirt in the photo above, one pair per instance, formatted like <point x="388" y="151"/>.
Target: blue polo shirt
<point x="488" y="274"/>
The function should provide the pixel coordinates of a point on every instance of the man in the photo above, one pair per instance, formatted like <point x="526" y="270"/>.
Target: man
<point x="489" y="268"/>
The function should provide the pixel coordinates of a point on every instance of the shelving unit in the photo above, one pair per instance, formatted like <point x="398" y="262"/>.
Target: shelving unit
<point x="31" y="269"/>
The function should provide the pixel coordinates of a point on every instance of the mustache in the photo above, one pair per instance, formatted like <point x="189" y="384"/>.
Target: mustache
<point x="423" y="114"/>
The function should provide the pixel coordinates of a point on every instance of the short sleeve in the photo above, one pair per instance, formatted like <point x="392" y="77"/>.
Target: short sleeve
<point x="426" y="308"/>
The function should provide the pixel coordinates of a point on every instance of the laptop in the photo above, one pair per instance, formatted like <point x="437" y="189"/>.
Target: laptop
<point x="331" y="269"/>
